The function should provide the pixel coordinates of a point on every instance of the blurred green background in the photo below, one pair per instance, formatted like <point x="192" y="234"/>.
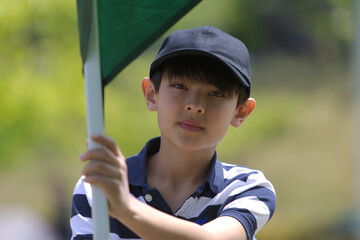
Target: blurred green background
<point x="301" y="133"/>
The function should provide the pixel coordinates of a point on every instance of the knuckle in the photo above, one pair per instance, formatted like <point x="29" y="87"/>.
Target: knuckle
<point x="118" y="151"/>
<point x="122" y="163"/>
<point x="119" y="174"/>
<point x="112" y="141"/>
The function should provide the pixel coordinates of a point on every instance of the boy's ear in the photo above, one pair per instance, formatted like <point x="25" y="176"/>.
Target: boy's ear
<point x="243" y="111"/>
<point x="149" y="94"/>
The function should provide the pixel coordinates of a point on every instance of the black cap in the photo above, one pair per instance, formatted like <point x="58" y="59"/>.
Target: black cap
<point x="210" y="42"/>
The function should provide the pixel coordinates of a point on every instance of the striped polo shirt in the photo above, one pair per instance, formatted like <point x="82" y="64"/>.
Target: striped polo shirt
<point x="229" y="190"/>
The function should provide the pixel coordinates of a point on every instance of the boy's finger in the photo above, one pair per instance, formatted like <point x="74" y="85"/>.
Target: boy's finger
<point x="100" y="154"/>
<point x="101" y="168"/>
<point x="106" y="184"/>
<point x="107" y="142"/>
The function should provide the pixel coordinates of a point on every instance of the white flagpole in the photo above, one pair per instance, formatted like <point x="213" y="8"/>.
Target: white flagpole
<point x="95" y="122"/>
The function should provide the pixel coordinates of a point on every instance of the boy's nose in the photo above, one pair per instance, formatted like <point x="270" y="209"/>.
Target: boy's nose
<point x="196" y="108"/>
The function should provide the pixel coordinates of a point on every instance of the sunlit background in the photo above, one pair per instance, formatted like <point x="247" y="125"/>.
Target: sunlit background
<point x="301" y="133"/>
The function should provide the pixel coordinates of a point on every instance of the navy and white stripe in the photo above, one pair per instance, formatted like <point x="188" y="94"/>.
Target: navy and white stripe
<point x="229" y="190"/>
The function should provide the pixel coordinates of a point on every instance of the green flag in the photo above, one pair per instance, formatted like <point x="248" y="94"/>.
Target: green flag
<point x="127" y="28"/>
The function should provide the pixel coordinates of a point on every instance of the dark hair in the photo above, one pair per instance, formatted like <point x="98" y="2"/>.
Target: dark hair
<point x="202" y="69"/>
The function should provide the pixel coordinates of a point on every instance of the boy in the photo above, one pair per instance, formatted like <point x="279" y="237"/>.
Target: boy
<point x="175" y="188"/>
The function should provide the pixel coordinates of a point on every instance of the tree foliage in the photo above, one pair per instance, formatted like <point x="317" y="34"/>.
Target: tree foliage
<point x="41" y="85"/>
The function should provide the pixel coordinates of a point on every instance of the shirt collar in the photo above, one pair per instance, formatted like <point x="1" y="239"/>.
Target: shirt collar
<point x="137" y="167"/>
<point x="137" y="164"/>
<point x="215" y="177"/>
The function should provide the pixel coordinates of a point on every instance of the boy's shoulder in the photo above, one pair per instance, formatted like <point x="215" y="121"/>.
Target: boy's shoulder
<point x="239" y="172"/>
<point x="243" y="177"/>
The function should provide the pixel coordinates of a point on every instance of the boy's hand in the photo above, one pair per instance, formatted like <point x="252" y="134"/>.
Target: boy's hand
<point x="107" y="169"/>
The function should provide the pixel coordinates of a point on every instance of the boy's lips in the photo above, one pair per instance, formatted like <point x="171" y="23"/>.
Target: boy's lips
<point x="190" y="125"/>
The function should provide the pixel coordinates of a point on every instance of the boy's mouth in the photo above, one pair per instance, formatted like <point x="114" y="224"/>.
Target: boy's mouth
<point x="190" y="125"/>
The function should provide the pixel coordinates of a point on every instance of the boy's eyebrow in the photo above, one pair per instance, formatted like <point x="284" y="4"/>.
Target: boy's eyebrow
<point x="176" y="79"/>
<point x="172" y="79"/>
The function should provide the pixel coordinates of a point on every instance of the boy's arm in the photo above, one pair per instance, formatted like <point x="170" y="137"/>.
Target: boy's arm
<point x="150" y="223"/>
<point x="109" y="173"/>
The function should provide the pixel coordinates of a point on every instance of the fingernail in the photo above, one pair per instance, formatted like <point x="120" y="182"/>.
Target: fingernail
<point x="82" y="156"/>
<point x="95" y="135"/>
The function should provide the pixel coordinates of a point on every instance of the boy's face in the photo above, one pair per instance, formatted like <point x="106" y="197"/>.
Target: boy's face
<point x="192" y="115"/>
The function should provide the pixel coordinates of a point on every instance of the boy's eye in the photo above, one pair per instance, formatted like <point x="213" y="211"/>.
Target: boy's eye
<point x="216" y="94"/>
<point x="179" y="86"/>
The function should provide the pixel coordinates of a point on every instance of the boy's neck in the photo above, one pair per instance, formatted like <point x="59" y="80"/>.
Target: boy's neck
<point x="179" y="167"/>
<point x="177" y="173"/>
